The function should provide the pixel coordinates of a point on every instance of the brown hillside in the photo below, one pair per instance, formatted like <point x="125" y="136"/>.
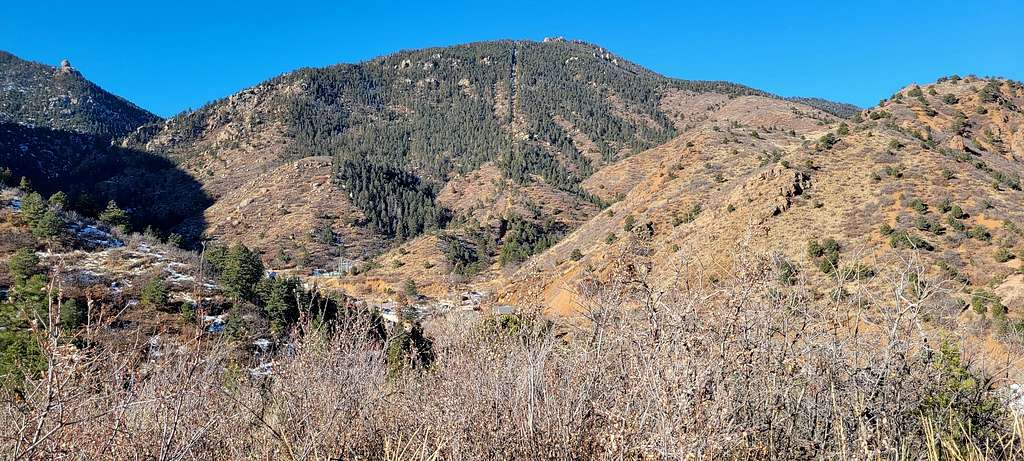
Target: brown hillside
<point x="484" y="197"/>
<point x="530" y="121"/>
<point x="288" y="210"/>
<point x="775" y="191"/>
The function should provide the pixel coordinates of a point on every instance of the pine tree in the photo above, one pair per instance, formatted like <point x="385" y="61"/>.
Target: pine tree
<point x="396" y="352"/>
<point x="32" y="208"/>
<point x="23" y="264"/>
<point x="20" y="355"/>
<point x="58" y="201"/>
<point x="325" y="234"/>
<point x="25" y="185"/>
<point x="629" y="223"/>
<point x="71" y="315"/>
<point x="242" y="270"/>
<point x="30" y="300"/>
<point x="217" y="257"/>
<point x="277" y="305"/>
<point x="154" y="293"/>
<point x="843" y="129"/>
<point x="5" y="176"/>
<point x="115" y="217"/>
<point x="49" y="226"/>
<point x="409" y="288"/>
<point x="175" y="239"/>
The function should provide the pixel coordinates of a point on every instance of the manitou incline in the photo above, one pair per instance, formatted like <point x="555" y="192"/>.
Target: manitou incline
<point x="510" y="249"/>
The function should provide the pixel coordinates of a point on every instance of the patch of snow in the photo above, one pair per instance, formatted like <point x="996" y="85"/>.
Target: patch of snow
<point x="155" y="349"/>
<point x="263" y="369"/>
<point x="263" y="344"/>
<point x="95" y="236"/>
<point x="1015" y="398"/>
<point x="216" y="323"/>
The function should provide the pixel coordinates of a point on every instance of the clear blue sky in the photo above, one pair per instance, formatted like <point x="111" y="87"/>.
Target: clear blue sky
<point x="168" y="56"/>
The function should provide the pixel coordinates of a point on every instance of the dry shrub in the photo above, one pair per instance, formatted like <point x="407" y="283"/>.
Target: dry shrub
<point x="743" y="368"/>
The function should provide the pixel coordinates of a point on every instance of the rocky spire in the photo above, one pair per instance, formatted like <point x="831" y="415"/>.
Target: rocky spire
<point x="65" y="67"/>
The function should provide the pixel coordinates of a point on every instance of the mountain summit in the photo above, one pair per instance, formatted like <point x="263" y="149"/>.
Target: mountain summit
<point x="394" y="134"/>
<point x="61" y="98"/>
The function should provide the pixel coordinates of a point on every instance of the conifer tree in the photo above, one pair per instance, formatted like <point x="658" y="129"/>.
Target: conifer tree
<point x="71" y="315"/>
<point x="49" y="226"/>
<point x="409" y="288"/>
<point x="115" y="217"/>
<point x="58" y="201"/>
<point x="154" y="293"/>
<point x="32" y="208"/>
<point x="175" y="239"/>
<point x="242" y="271"/>
<point x="23" y="264"/>
<point x="277" y="305"/>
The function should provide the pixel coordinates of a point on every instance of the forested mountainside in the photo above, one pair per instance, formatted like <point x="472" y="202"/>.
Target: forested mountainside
<point x="61" y="98"/>
<point x="56" y="131"/>
<point x="448" y="110"/>
<point x="593" y="260"/>
<point x="537" y="116"/>
<point x="324" y="167"/>
<point x="764" y="237"/>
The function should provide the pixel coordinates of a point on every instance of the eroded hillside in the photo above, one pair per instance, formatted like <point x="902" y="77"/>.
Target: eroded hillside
<point x="690" y="161"/>
<point x="932" y="174"/>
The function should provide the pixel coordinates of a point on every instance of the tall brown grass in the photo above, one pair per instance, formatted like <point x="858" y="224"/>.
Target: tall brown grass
<point x="742" y="368"/>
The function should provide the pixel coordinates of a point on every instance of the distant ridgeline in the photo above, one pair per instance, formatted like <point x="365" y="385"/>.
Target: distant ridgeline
<point x="447" y="110"/>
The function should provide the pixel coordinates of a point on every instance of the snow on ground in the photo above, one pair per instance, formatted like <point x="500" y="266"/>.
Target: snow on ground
<point x="215" y="323"/>
<point x="263" y="369"/>
<point x="95" y="236"/>
<point x="262" y="344"/>
<point x="10" y="198"/>
<point x="109" y="260"/>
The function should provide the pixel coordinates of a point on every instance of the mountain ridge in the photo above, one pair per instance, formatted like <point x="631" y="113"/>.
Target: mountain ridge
<point x="544" y="113"/>
<point x="61" y="98"/>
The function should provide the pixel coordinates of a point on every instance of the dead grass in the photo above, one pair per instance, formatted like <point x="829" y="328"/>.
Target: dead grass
<point x="740" y="369"/>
